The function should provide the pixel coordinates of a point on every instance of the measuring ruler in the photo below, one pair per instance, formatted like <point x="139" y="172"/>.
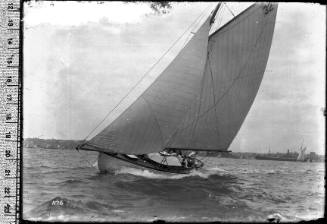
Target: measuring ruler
<point x="10" y="109"/>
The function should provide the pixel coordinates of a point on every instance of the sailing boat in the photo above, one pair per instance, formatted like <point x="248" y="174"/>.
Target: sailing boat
<point x="198" y="103"/>
<point x="301" y="156"/>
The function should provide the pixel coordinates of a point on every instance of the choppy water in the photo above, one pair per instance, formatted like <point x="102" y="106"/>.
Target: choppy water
<point x="66" y="185"/>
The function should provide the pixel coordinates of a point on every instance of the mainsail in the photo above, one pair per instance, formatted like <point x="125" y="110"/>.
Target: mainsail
<point x="236" y="61"/>
<point x="201" y="99"/>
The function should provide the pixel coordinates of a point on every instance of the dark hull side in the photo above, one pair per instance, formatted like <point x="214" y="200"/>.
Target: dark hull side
<point x="109" y="162"/>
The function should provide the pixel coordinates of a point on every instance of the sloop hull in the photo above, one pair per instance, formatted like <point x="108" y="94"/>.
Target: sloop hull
<point x="110" y="163"/>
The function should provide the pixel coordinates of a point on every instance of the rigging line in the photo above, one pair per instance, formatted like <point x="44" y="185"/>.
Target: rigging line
<point x="229" y="9"/>
<point x="196" y="24"/>
<point x="188" y="36"/>
<point x="197" y="112"/>
<point x="220" y="29"/>
<point x="213" y="93"/>
<point x="155" y="117"/>
<point x="144" y="75"/>
<point x="220" y="17"/>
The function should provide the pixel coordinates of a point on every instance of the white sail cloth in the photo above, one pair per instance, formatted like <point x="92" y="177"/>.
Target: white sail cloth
<point x="145" y="126"/>
<point x="201" y="99"/>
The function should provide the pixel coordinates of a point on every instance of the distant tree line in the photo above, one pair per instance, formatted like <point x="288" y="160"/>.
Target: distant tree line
<point x="161" y="7"/>
<point x="50" y="143"/>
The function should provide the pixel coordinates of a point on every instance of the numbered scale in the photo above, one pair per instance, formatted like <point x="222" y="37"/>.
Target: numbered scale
<point x="10" y="109"/>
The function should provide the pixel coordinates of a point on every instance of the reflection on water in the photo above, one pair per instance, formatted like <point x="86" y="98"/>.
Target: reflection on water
<point x="66" y="185"/>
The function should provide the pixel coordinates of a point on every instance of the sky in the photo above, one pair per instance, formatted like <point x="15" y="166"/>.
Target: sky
<point x="77" y="67"/>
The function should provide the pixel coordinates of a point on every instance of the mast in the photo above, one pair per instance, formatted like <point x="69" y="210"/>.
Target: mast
<point x="214" y="12"/>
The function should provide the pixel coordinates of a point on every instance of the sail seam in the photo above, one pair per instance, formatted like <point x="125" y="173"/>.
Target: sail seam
<point x="199" y="107"/>
<point x="155" y="118"/>
<point x="213" y="92"/>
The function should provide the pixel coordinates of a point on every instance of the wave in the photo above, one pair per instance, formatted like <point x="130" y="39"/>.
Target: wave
<point x="61" y="208"/>
<point x="278" y="217"/>
<point x="258" y="171"/>
<point x="72" y="182"/>
<point x="59" y="169"/>
<point x="88" y="164"/>
<point x="203" y="173"/>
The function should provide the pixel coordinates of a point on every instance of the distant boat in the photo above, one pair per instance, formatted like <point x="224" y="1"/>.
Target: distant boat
<point x="280" y="157"/>
<point x="302" y="156"/>
<point x="198" y="103"/>
<point x="285" y="156"/>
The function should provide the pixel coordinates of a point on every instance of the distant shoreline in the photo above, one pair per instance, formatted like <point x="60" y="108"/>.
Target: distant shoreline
<point x="53" y="144"/>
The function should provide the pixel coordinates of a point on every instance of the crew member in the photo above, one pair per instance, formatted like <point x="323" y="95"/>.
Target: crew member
<point x="190" y="162"/>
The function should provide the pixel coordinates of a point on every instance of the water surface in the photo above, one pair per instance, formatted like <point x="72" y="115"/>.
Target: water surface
<point x="66" y="185"/>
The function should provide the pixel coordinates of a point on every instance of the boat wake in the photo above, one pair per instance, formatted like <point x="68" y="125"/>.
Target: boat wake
<point x="152" y="174"/>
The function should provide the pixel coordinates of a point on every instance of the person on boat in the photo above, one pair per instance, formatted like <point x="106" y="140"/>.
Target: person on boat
<point x="144" y="156"/>
<point x="172" y="152"/>
<point x="184" y="161"/>
<point x="190" y="162"/>
<point x="192" y="154"/>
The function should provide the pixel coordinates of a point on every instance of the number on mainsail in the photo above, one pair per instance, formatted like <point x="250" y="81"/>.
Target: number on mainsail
<point x="201" y="99"/>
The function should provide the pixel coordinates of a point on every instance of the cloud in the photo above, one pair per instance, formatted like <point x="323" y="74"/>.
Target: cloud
<point x="78" y="13"/>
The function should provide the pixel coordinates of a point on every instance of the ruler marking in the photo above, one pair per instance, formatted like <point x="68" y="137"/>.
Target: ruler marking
<point x="13" y="159"/>
<point x="14" y="10"/>
<point x="12" y="66"/>
<point x="11" y="178"/>
<point x="11" y="140"/>
<point x="12" y="103"/>
<point x="11" y="58"/>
